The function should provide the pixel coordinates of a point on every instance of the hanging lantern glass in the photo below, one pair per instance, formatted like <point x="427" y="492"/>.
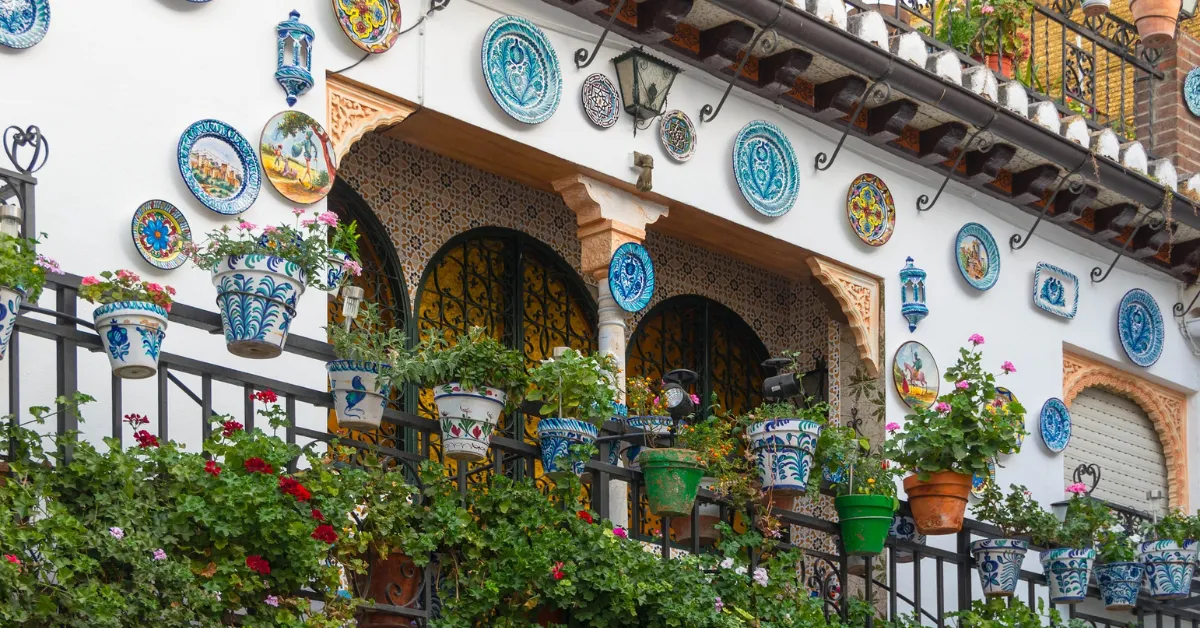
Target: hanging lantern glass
<point x="645" y="82"/>
<point x="294" y="61"/>
<point x="912" y="294"/>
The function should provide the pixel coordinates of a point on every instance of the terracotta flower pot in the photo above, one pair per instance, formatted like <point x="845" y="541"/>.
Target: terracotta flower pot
<point x="1155" y="20"/>
<point x="394" y="580"/>
<point x="1004" y="65"/>
<point x="938" y="504"/>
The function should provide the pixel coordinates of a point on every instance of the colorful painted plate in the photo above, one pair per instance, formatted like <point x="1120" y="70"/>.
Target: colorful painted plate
<point x="159" y="233"/>
<point x="915" y="375"/>
<point x="219" y="167"/>
<point x="521" y="70"/>
<point x="1008" y="397"/>
<point x="870" y="210"/>
<point x="23" y="23"/>
<point x="979" y="483"/>
<point x="631" y="277"/>
<point x="678" y="135"/>
<point x="977" y="255"/>
<point x="372" y="25"/>
<point x="1140" y="326"/>
<point x="1055" y="290"/>
<point x="297" y="157"/>
<point x="1191" y="91"/>
<point x="764" y="163"/>
<point x="601" y="102"/>
<point x="1055" y="425"/>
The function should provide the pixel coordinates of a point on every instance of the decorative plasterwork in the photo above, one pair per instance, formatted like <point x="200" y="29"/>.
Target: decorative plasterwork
<point x="1166" y="408"/>
<point x="353" y="109"/>
<point x="607" y="217"/>
<point x="858" y="294"/>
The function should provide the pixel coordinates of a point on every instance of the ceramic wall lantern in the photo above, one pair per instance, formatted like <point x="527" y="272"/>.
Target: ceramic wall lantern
<point x="912" y="294"/>
<point x="294" y="60"/>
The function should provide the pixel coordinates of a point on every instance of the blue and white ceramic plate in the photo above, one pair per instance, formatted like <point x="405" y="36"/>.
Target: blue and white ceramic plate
<point x="23" y="23"/>
<point x="521" y="70"/>
<point x="1055" y="425"/>
<point x="977" y="255"/>
<point x="1055" y="290"/>
<point x="764" y="163"/>
<point x="678" y="135"/>
<point x="159" y="233"/>
<point x="1191" y="91"/>
<point x="979" y="483"/>
<point x="601" y="102"/>
<point x="219" y="167"/>
<point x="1140" y="326"/>
<point x="631" y="277"/>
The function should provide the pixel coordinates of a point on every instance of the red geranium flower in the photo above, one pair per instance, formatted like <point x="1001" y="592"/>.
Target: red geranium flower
<point x="325" y="534"/>
<point x="265" y="396"/>
<point x="291" y="487"/>
<point x="212" y="469"/>
<point x="258" y="465"/>
<point x="145" y="439"/>
<point x="585" y="515"/>
<point x="229" y="427"/>
<point x="557" y="571"/>
<point x="316" y="514"/>
<point x="136" y="420"/>
<point x="12" y="559"/>
<point x="258" y="564"/>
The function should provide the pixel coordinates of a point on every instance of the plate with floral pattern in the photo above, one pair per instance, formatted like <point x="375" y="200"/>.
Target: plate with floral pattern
<point x="631" y="277"/>
<point x="870" y="209"/>
<point x="764" y="163"/>
<point x="678" y="135"/>
<point x="601" y="102"/>
<point x="1140" y="326"/>
<point x="159" y="233"/>
<point x="1191" y="91"/>
<point x="521" y="69"/>
<point x="979" y="484"/>
<point x="1055" y="425"/>
<point x="23" y="23"/>
<point x="373" y="25"/>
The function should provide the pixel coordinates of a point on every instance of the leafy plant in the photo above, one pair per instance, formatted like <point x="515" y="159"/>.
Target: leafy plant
<point x="22" y="268"/>
<point x="986" y="27"/>
<point x="1080" y="528"/>
<point x="369" y="339"/>
<point x="1115" y="544"/>
<point x="643" y="396"/>
<point x="574" y="386"/>
<point x="1174" y="526"/>
<point x="1017" y="514"/>
<point x="995" y="613"/>
<point x="124" y="285"/>
<point x="475" y="359"/>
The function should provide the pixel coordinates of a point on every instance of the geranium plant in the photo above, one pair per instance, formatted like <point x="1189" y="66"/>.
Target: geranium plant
<point x="574" y="386"/>
<point x="866" y="473"/>
<point x="22" y="268"/>
<point x="1017" y="514"/>
<point x="124" y="285"/>
<point x="474" y="359"/>
<point x="1115" y="544"/>
<point x="1174" y="526"/>
<point x="1085" y="518"/>
<point x="368" y="338"/>
<point x="987" y="28"/>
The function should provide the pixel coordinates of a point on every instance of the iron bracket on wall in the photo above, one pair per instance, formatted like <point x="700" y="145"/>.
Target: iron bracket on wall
<point x="16" y="138"/>
<point x="984" y="144"/>
<point x="824" y="162"/>
<point x="1072" y="181"/>
<point x="707" y="113"/>
<point x="1087" y="470"/>
<point x="582" y="58"/>
<point x="1155" y="220"/>
<point x="1178" y="309"/>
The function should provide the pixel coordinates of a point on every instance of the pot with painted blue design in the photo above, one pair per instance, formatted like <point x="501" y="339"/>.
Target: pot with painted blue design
<point x="1067" y="571"/>
<point x="999" y="564"/>
<point x="257" y="296"/>
<point x="10" y="307"/>
<point x="1119" y="584"/>
<point x="650" y="424"/>
<point x="131" y="333"/>
<point x="783" y="449"/>
<point x="468" y="417"/>
<point x="1169" y="567"/>
<point x="360" y="393"/>
<point x="557" y="436"/>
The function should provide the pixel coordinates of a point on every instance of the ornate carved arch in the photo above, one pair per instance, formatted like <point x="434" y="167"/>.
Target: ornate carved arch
<point x="353" y="109"/>
<point x="1166" y="408"/>
<point x="858" y="295"/>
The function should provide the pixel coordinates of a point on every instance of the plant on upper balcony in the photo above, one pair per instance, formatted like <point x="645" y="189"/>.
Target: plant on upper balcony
<point x="576" y="393"/>
<point x="131" y="320"/>
<point x="995" y="27"/>
<point x="644" y="398"/>
<point x="865" y="499"/>
<point x="1119" y="571"/>
<point x="22" y="268"/>
<point x="995" y="613"/>
<point x="782" y="437"/>
<point x="367" y="351"/>
<point x="672" y="472"/>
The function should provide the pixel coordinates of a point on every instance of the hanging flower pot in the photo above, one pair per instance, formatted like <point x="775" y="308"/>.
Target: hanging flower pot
<point x="468" y="416"/>
<point x="905" y="529"/>
<point x="557" y="436"/>
<point x="257" y="296"/>
<point x="999" y="562"/>
<point x="1155" y="20"/>
<point x="707" y="517"/>
<point x="651" y="424"/>
<point x="783" y="449"/>
<point x="132" y="333"/>
<point x="1119" y="584"/>
<point x="10" y="307"/>
<point x="864" y="520"/>
<point x="939" y="503"/>
<point x="1093" y="8"/>
<point x="359" y="398"/>
<point x="1169" y="568"/>
<point x="672" y="478"/>
<point x="1067" y="571"/>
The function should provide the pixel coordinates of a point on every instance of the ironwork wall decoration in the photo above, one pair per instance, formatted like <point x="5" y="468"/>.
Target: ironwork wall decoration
<point x="159" y="233"/>
<point x="678" y="135"/>
<point x="912" y="294"/>
<point x="764" y="163"/>
<point x="601" y="102"/>
<point x="297" y="157"/>
<point x="1054" y="425"/>
<point x="219" y="167"/>
<point x="1140" y="326"/>
<point x="373" y="25"/>
<point x="915" y="375"/>
<point x="521" y="70"/>
<point x="977" y="255"/>
<point x="23" y="23"/>
<point x="294" y="60"/>
<point x="631" y="277"/>
<point x="1055" y="290"/>
<point x="870" y="210"/>
<point x="1191" y="91"/>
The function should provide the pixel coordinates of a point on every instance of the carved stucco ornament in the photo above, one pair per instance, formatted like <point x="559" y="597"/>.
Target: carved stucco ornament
<point x="354" y="109"/>
<point x="858" y="295"/>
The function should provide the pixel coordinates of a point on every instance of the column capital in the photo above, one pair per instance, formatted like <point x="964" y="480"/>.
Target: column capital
<point x="607" y="218"/>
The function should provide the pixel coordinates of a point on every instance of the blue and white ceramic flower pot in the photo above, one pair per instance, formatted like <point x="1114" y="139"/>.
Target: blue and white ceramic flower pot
<point x="557" y="436"/>
<point x="468" y="417"/>
<point x="257" y="296"/>
<point x="1169" y="568"/>
<point x="905" y="529"/>
<point x="999" y="564"/>
<point x="651" y="424"/>
<point x="1119" y="584"/>
<point x="1068" y="571"/>
<point x="784" y="450"/>
<point x="359" y="395"/>
<point x="10" y="307"/>
<point x="132" y="333"/>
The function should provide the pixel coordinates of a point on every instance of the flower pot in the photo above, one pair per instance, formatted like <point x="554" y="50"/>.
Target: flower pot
<point x="938" y="504"/>
<point x="468" y="416"/>
<point x="1003" y="64"/>
<point x="652" y="424"/>
<point x="257" y="296"/>
<point x="672" y="477"/>
<point x="1093" y="8"/>
<point x="864" y="520"/>
<point x="1155" y="20"/>
<point x="10" y="307"/>
<point x="557" y="436"/>
<point x="132" y="333"/>
<point x="1067" y="570"/>
<point x="393" y="579"/>
<point x="999" y="563"/>
<point x="1169" y="568"/>
<point x="359" y="398"/>
<point x="905" y="529"/>
<point x="1119" y="584"/>
<point x="783" y="449"/>
<point x="707" y="517"/>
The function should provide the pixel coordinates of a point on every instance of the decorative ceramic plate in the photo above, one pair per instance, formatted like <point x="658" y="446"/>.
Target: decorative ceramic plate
<point x="678" y="135"/>
<point x="521" y="69"/>
<point x="297" y="157"/>
<point x="372" y="25"/>
<point x="1140" y="326"/>
<point x="977" y="255"/>
<point x="601" y="102"/>
<point x="765" y="166"/>
<point x="1191" y="91"/>
<point x="1055" y="290"/>
<point x="1055" y="425"/>
<point x="1008" y="397"/>
<point x="915" y="375"/>
<point x="631" y="277"/>
<point x="979" y="483"/>
<point x="219" y="167"/>
<point x="23" y="23"/>
<point x="159" y="233"/>
<point x="870" y="210"/>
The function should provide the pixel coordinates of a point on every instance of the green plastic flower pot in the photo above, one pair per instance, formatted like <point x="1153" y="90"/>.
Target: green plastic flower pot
<point x="672" y="477"/>
<point x="865" y="521"/>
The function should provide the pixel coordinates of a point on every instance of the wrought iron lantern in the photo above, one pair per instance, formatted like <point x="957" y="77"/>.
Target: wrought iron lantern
<point x="10" y="219"/>
<point x="645" y="82"/>
<point x="782" y="385"/>
<point x="912" y="294"/>
<point x="294" y="61"/>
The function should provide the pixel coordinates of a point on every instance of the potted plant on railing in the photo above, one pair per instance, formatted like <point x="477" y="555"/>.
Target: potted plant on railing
<point x="783" y="438"/>
<point x="945" y="444"/>
<point x="715" y="441"/>
<point x="361" y="376"/>
<point x="672" y="474"/>
<point x="999" y="560"/>
<point x="259" y="278"/>
<point x="1118" y="570"/>
<point x="131" y="320"/>
<point x="22" y="275"/>
<point x="1155" y="20"/>
<point x="647" y="410"/>
<point x="995" y="32"/>
<point x="1169" y="554"/>
<point x="576" y="392"/>
<point x="1070" y="545"/>
<point x="865" y="500"/>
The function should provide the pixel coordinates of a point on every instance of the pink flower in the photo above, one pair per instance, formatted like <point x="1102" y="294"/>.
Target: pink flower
<point x="247" y="226"/>
<point x="89" y="281"/>
<point x="1077" y="488"/>
<point x="655" y="402"/>
<point x="153" y="287"/>
<point x="272" y="601"/>
<point x="297" y="211"/>
<point x="620" y="533"/>
<point x="270" y="229"/>
<point x="695" y="398"/>
<point x="117" y="533"/>
<point x="128" y="275"/>
<point x="998" y="402"/>
<point x="963" y="385"/>
<point x="1008" y="367"/>
<point x="159" y="554"/>
<point x="12" y="559"/>
<point x="48" y="264"/>
<point x="892" y="427"/>
<point x="976" y="339"/>
<point x="987" y="9"/>
<point x="328" y="218"/>
<point x="942" y="406"/>
<point x="718" y="604"/>
<point x="352" y="267"/>
<point x="308" y="222"/>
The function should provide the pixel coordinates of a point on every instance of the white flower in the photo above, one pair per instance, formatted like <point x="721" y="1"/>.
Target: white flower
<point x="1135" y="538"/>
<point x="727" y="563"/>
<point x="741" y="571"/>
<point x="760" y="577"/>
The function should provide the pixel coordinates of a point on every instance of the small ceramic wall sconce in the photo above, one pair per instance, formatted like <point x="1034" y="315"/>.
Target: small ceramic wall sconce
<point x="294" y="61"/>
<point x="912" y="294"/>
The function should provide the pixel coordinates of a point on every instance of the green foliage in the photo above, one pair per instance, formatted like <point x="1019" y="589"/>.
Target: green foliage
<point x="720" y="442"/>
<point x="475" y="359"/>
<point x="812" y="410"/>
<point x="997" y="613"/>
<point x="848" y="458"/>
<point x="1115" y="544"/>
<point x="1016" y="514"/>
<point x="987" y="28"/>
<point x="124" y="285"/>
<point x="22" y="268"/>
<point x="368" y="339"/>
<point x="574" y="386"/>
<point x="643" y="397"/>
<point x="1079" y="529"/>
<point x="1174" y="526"/>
